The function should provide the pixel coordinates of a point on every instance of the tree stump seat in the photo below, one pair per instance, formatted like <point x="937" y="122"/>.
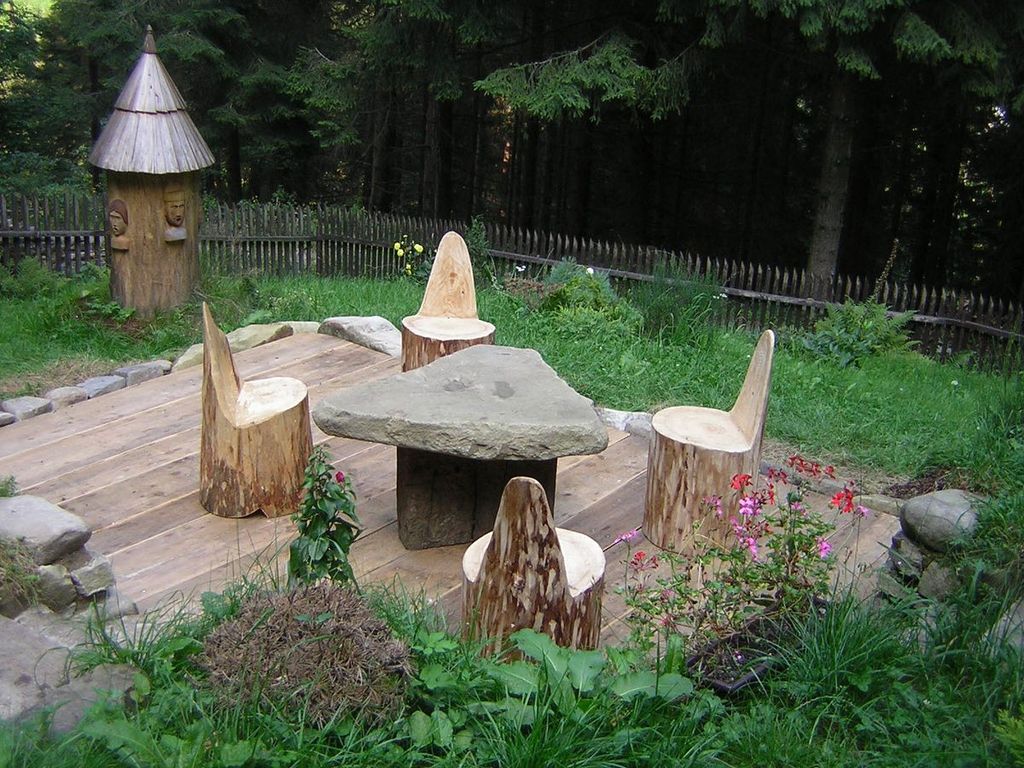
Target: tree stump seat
<point x="447" y="320"/>
<point x="255" y="438"/>
<point x="464" y="426"/>
<point x="529" y="574"/>
<point x="694" y="454"/>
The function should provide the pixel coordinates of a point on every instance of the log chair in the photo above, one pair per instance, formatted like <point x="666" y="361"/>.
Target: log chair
<point x="694" y="454"/>
<point x="527" y="573"/>
<point x="447" y="320"/>
<point x="256" y="438"/>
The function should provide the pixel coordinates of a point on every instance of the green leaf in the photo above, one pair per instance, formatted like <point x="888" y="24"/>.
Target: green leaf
<point x="420" y="726"/>
<point x="236" y="754"/>
<point x="674" y="686"/>
<point x="435" y="677"/>
<point x="518" y="677"/>
<point x="635" y="684"/>
<point x="442" y="732"/>
<point x="584" y="669"/>
<point x="538" y="646"/>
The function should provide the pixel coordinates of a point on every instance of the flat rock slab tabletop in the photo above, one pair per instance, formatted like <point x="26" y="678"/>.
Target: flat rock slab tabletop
<point x="464" y="425"/>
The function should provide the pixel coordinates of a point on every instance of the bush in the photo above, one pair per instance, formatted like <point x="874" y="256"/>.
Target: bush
<point x="851" y="332"/>
<point x="17" y="573"/>
<point x="571" y="286"/>
<point x="317" y="647"/>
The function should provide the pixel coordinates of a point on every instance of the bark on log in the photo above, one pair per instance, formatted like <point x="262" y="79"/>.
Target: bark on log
<point x="694" y="454"/>
<point x="256" y="437"/>
<point x="528" y="574"/>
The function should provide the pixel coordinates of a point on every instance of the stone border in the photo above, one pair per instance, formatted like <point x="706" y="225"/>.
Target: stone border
<point x="21" y="408"/>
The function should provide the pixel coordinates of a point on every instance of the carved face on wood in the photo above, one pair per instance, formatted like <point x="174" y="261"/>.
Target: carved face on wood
<point x="174" y="207"/>
<point x="117" y="215"/>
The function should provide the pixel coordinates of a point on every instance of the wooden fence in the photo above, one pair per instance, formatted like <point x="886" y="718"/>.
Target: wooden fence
<point x="65" y="233"/>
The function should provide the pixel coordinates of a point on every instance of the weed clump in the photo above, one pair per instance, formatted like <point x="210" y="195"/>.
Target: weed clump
<point x="316" y="647"/>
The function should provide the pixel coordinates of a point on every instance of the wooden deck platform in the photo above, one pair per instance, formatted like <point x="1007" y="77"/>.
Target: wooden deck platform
<point x="128" y="464"/>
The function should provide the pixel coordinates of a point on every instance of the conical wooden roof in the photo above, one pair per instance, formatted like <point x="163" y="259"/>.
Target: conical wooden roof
<point x="150" y="130"/>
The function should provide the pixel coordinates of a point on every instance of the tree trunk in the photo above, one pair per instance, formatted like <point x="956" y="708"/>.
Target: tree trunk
<point x="833" y="182"/>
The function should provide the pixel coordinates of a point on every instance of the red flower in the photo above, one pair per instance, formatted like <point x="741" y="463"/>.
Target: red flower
<point x="741" y="481"/>
<point x="843" y="500"/>
<point x="339" y="477"/>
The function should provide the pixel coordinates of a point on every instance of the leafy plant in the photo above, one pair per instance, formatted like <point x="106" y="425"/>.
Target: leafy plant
<point x="1010" y="732"/>
<point x="8" y="486"/>
<point x="851" y="332"/>
<point x="572" y="286"/>
<point x="327" y="524"/>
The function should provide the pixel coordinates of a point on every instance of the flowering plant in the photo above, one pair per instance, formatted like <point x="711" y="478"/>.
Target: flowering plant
<point x="327" y="524"/>
<point x="779" y="559"/>
<point x="415" y="261"/>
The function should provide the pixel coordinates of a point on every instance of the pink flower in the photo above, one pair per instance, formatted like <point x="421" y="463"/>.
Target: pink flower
<point x="824" y="547"/>
<point x="862" y="511"/>
<point x="749" y="506"/>
<point x="627" y="536"/>
<point x="751" y="545"/>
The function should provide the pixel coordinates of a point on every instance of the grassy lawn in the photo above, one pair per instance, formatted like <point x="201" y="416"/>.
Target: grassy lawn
<point x="910" y="684"/>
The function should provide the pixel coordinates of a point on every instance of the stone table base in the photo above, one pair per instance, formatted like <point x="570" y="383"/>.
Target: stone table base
<point x="446" y="499"/>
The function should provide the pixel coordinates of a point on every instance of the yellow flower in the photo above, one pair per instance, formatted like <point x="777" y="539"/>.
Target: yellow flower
<point x="408" y="269"/>
<point x="401" y="251"/>
<point x="418" y="248"/>
<point x="398" y="246"/>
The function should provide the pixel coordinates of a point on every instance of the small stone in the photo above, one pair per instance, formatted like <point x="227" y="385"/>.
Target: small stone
<point x="48" y="531"/>
<point x="303" y="326"/>
<point x="937" y="519"/>
<point x="114" y="605"/>
<point x="892" y="587"/>
<point x="6" y="418"/>
<point x="140" y="372"/>
<point x="906" y="558"/>
<point x="373" y="332"/>
<point x="90" y="573"/>
<point x="876" y="502"/>
<point x="11" y="602"/>
<point x="54" y="588"/>
<point x="828" y="486"/>
<point x="636" y="423"/>
<point x="937" y="582"/>
<point x="239" y="340"/>
<point x="64" y="396"/>
<point x="101" y="385"/>
<point x="22" y="408"/>
<point x="191" y="356"/>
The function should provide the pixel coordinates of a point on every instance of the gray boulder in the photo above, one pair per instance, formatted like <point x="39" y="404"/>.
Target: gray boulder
<point x="936" y="519"/>
<point x="373" y="332"/>
<point x="1010" y="627"/>
<point x="101" y="385"/>
<point x="303" y="326"/>
<point x="90" y="573"/>
<point x="29" y="663"/>
<point x="6" y="418"/>
<point x="239" y="340"/>
<point x="484" y="402"/>
<point x="22" y="408"/>
<point x="48" y="531"/>
<point x="64" y="396"/>
<point x="877" y="502"/>
<point x="109" y="683"/>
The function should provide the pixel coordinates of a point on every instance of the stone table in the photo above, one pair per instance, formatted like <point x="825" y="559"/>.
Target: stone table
<point x="464" y="426"/>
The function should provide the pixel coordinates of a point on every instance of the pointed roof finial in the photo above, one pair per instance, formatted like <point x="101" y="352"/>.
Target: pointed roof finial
<point x="149" y="46"/>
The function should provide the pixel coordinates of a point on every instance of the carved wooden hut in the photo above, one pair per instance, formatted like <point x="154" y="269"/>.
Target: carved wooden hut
<point x="152" y="153"/>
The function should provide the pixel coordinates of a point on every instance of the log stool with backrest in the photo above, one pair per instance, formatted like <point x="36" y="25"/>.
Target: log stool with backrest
<point x="256" y="437"/>
<point x="447" y="320"/>
<point x="694" y="454"/>
<point x="529" y="574"/>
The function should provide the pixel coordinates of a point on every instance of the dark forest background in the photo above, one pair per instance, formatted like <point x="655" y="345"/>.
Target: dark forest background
<point x="821" y="133"/>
